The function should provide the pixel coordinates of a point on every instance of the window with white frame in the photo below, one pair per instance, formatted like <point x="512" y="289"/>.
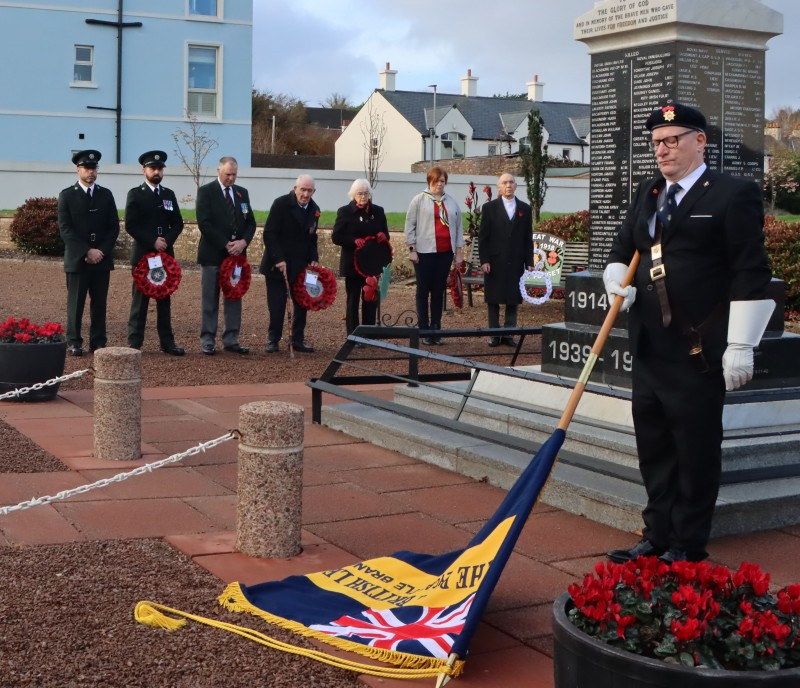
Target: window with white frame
<point x="524" y="144"/>
<point x="566" y="153"/>
<point x="84" y="63"/>
<point x="203" y="91"/>
<point x="453" y="145"/>
<point x="492" y="149"/>
<point x="204" y="8"/>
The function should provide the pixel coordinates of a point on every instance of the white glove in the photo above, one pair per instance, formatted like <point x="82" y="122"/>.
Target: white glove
<point x="746" y="325"/>
<point x="737" y="365"/>
<point x="612" y="278"/>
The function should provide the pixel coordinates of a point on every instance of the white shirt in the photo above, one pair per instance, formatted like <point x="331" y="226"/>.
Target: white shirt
<point x="686" y="183"/>
<point x="510" y="206"/>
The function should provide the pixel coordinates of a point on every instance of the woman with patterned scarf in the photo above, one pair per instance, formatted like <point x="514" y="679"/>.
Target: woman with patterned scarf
<point x="435" y="239"/>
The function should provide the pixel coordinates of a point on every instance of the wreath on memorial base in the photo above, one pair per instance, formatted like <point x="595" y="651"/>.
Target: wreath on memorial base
<point x="157" y="283"/>
<point x="234" y="287"/>
<point x="536" y="273"/>
<point x="319" y="296"/>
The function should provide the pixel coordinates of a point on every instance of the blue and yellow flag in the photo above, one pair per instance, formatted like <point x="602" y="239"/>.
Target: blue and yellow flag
<point x="411" y="610"/>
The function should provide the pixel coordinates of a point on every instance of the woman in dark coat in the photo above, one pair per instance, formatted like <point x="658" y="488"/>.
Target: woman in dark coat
<point x="355" y="222"/>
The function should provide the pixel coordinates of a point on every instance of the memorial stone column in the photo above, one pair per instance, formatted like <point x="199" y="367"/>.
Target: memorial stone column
<point x="646" y="53"/>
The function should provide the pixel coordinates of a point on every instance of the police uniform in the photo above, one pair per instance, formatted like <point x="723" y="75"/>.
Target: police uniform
<point x="150" y="213"/>
<point x="87" y="221"/>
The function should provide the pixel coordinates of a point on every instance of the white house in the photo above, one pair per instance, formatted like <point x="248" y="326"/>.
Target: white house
<point x="120" y="76"/>
<point x="465" y="125"/>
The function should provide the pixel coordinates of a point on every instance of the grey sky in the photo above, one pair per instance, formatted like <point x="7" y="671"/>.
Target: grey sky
<point x="310" y="49"/>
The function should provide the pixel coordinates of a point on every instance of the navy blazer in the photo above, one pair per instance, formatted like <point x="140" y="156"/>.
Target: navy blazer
<point x="87" y="223"/>
<point x="217" y="226"/>
<point x="713" y="252"/>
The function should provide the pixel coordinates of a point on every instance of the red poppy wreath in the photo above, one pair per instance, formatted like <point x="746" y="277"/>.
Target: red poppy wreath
<point x="234" y="282"/>
<point x="160" y="281"/>
<point x="372" y="255"/>
<point x="457" y="285"/>
<point x="315" y="295"/>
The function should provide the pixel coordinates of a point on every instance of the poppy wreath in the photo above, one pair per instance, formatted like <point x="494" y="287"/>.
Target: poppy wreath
<point x="234" y="287"/>
<point x="536" y="274"/>
<point x="371" y="256"/>
<point x="157" y="283"/>
<point x="457" y="285"/>
<point x="318" y="297"/>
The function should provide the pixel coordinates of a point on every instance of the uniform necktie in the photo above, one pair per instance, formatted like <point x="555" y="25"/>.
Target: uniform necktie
<point x="89" y="193"/>
<point x="157" y="192"/>
<point x="229" y="196"/>
<point x="668" y="205"/>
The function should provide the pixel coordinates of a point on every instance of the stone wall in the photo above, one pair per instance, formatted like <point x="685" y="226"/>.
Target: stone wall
<point x="492" y="165"/>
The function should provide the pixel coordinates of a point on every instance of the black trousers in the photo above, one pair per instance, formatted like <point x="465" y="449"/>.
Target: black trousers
<point x="137" y="320"/>
<point x="431" y="272"/>
<point x="353" y="287"/>
<point x="677" y="415"/>
<point x="95" y="284"/>
<point x="276" y="303"/>
<point x="494" y="315"/>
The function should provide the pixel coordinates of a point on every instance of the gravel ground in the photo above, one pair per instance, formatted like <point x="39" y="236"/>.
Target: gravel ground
<point x="65" y="611"/>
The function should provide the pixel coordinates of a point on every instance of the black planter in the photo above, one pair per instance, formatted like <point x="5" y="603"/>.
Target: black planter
<point x="22" y="365"/>
<point x="581" y="661"/>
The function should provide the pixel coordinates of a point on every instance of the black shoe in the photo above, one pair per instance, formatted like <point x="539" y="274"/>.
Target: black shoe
<point x="209" y="350"/>
<point x="645" y="548"/>
<point x="508" y="341"/>
<point x="138" y="347"/>
<point x="494" y="341"/>
<point x="237" y="349"/>
<point x="673" y="554"/>
<point x="271" y="347"/>
<point x="303" y="347"/>
<point x="75" y="351"/>
<point x="438" y="341"/>
<point x="429" y="341"/>
<point x="92" y="349"/>
<point x="173" y="350"/>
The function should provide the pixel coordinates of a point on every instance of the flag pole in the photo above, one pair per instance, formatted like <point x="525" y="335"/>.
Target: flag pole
<point x="597" y="349"/>
<point x="443" y="679"/>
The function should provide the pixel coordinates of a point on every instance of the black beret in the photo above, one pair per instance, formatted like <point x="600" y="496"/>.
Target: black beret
<point x="87" y="158"/>
<point x="153" y="158"/>
<point x="676" y="115"/>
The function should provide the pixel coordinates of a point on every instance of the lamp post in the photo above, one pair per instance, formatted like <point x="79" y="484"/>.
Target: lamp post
<point x="433" y="128"/>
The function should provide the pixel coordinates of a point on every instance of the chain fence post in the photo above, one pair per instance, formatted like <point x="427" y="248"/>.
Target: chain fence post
<point x="118" y="404"/>
<point x="270" y="506"/>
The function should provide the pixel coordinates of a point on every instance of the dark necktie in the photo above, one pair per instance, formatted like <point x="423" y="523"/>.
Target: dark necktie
<point x="157" y="192"/>
<point x="229" y="197"/>
<point x="667" y="205"/>
<point x="89" y="193"/>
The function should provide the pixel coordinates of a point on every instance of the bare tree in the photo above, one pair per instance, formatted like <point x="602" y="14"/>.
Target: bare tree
<point x="193" y="145"/>
<point x="373" y="133"/>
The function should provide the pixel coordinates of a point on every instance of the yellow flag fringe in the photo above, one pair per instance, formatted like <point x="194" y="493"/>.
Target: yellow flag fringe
<point x="407" y="666"/>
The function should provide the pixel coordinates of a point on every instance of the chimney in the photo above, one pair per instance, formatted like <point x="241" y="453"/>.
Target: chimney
<point x="387" y="78"/>
<point x="469" y="85"/>
<point x="536" y="89"/>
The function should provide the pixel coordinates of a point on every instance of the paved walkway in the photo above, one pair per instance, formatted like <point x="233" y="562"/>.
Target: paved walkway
<point x="359" y="501"/>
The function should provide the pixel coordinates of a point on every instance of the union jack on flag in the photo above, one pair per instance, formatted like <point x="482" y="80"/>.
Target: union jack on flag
<point x="434" y="629"/>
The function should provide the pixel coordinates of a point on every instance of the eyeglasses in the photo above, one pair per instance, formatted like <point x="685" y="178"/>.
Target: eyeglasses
<point x="668" y="141"/>
<point x="361" y="193"/>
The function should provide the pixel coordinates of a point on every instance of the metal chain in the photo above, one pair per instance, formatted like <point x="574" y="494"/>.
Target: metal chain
<point x="147" y="468"/>
<point x="41" y="385"/>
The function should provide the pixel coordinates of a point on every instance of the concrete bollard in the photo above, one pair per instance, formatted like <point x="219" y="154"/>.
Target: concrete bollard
<point x="118" y="403"/>
<point x="270" y="506"/>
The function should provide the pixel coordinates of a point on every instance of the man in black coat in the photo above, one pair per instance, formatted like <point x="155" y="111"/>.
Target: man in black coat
<point x="290" y="245"/>
<point x="227" y="227"/>
<point x="89" y="224"/>
<point x="698" y="309"/>
<point x="505" y="246"/>
<point x="153" y="219"/>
